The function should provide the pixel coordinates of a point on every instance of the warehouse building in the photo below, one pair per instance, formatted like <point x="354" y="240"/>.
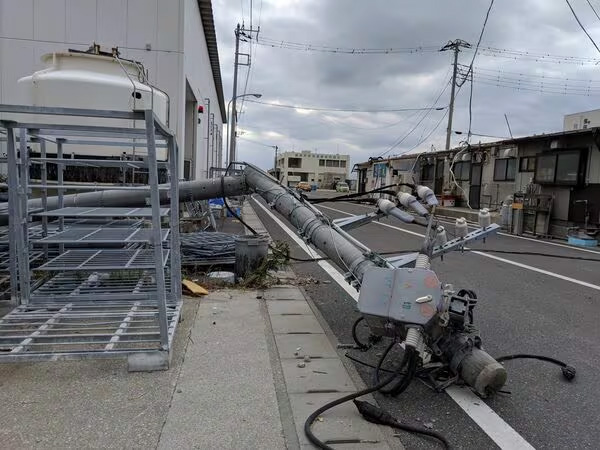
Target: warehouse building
<point x="320" y="169"/>
<point x="175" y="42"/>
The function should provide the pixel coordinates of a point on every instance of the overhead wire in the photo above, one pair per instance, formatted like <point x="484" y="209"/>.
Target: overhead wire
<point x="406" y="135"/>
<point x="309" y="47"/>
<point x="357" y="110"/>
<point x="581" y="26"/>
<point x="593" y="9"/>
<point x="487" y="15"/>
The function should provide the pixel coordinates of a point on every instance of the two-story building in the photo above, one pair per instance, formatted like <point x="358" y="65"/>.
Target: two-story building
<point x="320" y="169"/>
<point x="562" y="166"/>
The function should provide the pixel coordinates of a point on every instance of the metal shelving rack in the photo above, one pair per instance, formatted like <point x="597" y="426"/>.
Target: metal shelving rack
<point x="108" y="283"/>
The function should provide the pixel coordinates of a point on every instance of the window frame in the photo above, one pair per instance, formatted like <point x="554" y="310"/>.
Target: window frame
<point x="428" y="167"/>
<point x="505" y="178"/>
<point x="528" y="160"/>
<point x="556" y="155"/>
<point x="459" y="174"/>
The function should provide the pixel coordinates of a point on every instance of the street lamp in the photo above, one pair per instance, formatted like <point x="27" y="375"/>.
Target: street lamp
<point x="232" y="125"/>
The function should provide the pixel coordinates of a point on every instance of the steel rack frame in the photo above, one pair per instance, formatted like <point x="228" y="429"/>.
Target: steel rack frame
<point x="108" y="282"/>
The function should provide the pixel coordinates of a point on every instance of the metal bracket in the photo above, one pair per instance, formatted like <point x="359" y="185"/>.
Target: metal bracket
<point x="348" y="223"/>
<point x="457" y="243"/>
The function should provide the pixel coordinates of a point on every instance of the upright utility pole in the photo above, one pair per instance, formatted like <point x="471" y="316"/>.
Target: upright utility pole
<point x="232" y="119"/>
<point x="455" y="47"/>
<point x="245" y="35"/>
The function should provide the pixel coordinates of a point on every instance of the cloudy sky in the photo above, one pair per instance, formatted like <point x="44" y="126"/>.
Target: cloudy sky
<point x="533" y="91"/>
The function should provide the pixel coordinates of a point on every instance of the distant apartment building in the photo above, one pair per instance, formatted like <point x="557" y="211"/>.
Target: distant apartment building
<point x="582" y="120"/>
<point x="321" y="169"/>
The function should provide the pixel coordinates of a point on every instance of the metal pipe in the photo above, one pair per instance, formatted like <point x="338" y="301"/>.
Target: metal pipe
<point x="188" y="190"/>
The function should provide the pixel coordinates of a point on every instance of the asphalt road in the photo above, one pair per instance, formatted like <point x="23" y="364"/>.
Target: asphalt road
<point x="541" y="305"/>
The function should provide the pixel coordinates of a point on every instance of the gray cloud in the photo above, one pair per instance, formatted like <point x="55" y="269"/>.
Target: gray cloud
<point x="397" y="80"/>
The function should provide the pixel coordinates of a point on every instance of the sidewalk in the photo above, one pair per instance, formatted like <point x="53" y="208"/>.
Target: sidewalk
<point x="248" y="368"/>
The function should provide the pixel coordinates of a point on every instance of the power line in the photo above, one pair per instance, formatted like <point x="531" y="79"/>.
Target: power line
<point x="538" y="83"/>
<point x="309" y="47"/>
<point x="256" y="142"/>
<point x="593" y="9"/>
<point x="487" y="16"/>
<point x="312" y="108"/>
<point x="540" y="89"/>
<point x="403" y="138"/>
<point x="581" y="25"/>
<point x="537" y="57"/>
<point x="528" y="75"/>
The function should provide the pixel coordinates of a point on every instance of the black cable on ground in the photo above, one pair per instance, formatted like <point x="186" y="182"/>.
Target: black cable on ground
<point x="399" y="386"/>
<point x="370" y="412"/>
<point x="377" y="415"/>
<point x="361" y="345"/>
<point x="361" y="194"/>
<point x="567" y="371"/>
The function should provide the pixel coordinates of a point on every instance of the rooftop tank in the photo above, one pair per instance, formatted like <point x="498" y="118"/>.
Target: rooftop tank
<point x="95" y="80"/>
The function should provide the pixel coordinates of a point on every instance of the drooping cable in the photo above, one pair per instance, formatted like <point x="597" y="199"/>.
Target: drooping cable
<point x="581" y="25"/>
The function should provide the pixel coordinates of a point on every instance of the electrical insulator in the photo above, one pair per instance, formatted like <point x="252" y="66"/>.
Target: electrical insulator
<point x="410" y="201"/>
<point x="427" y="195"/>
<point x="440" y="236"/>
<point x="422" y="261"/>
<point x="485" y="219"/>
<point x="460" y="228"/>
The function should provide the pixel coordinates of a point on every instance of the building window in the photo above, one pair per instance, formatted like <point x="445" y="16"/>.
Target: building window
<point x="427" y="172"/>
<point x="405" y="165"/>
<point x="505" y="169"/>
<point x="527" y="164"/>
<point x="295" y="163"/>
<point x="567" y="168"/>
<point x="342" y="163"/>
<point x="462" y="170"/>
<point x="332" y="163"/>
<point x="379" y="170"/>
<point x="321" y="163"/>
<point x="558" y="168"/>
<point x="545" y="170"/>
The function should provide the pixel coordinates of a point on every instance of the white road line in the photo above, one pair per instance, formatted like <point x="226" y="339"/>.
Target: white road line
<point x="486" y="255"/>
<point x="491" y="423"/>
<point x="485" y="417"/>
<point x="570" y="247"/>
<point x="327" y="267"/>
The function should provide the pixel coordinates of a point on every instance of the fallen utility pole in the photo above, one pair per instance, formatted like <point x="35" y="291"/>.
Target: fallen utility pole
<point x="400" y="299"/>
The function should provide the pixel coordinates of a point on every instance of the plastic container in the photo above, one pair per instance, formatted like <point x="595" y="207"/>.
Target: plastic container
<point x="223" y="277"/>
<point x="250" y="252"/>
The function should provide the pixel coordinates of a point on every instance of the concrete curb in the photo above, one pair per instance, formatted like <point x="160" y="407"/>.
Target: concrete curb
<point x="313" y="371"/>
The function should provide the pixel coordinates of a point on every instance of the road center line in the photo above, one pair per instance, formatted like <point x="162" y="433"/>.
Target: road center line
<point x="491" y="423"/>
<point x="486" y="255"/>
<point x="525" y="238"/>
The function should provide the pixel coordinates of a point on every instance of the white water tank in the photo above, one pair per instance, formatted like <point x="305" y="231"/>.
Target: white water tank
<point x="94" y="81"/>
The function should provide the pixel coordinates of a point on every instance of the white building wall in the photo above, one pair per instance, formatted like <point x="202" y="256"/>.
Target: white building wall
<point x="31" y="28"/>
<point x="581" y="120"/>
<point x="314" y="173"/>
<point x="197" y="70"/>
